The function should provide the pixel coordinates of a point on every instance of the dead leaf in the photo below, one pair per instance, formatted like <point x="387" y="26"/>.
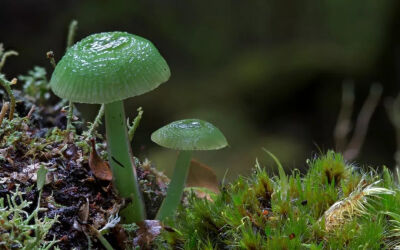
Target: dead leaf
<point x="29" y="172"/>
<point x="121" y="236"/>
<point x="69" y="137"/>
<point x="99" y="167"/>
<point x="201" y="175"/>
<point x="148" y="231"/>
<point x="83" y="212"/>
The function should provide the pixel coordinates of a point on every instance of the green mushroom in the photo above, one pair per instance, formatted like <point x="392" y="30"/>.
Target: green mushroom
<point x="185" y="136"/>
<point x="106" y="68"/>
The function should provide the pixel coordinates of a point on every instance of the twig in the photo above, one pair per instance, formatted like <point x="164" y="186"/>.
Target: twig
<point x="97" y="121"/>
<point x="135" y="124"/>
<point x="61" y="104"/>
<point x="6" y="85"/>
<point x="393" y="112"/>
<point x="363" y="119"/>
<point x="343" y="125"/>
<point x="5" y="55"/>
<point x="29" y="115"/>
<point x="3" y="111"/>
<point x="70" y="116"/>
<point x="70" y="41"/>
<point x="73" y="26"/>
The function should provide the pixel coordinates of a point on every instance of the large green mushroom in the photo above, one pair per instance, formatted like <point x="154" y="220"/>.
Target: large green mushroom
<point x="186" y="136"/>
<point x="106" y="68"/>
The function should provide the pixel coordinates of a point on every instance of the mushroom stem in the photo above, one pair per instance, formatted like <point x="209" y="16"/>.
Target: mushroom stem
<point x="121" y="161"/>
<point x="176" y="186"/>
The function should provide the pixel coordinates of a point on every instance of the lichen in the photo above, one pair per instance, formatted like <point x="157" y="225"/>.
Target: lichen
<point x="20" y="229"/>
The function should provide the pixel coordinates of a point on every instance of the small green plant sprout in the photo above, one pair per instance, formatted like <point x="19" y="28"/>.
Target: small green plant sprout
<point x="7" y="86"/>
<point x="185" y="136"/>
<point x="106" y="68"/>
<point x="4" y="82"/>
<point x="36" y="84"/>
<point x="132" y="128"/>
<point x="91" y="132"/>
<point x="4" y="55"/>
<point x="3" y="111"/>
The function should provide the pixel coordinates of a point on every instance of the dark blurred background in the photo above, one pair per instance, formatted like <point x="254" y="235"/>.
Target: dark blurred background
<point x="268" y="73"/>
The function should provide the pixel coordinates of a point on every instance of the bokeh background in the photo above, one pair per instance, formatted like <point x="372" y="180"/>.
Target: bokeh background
<point x="268" y="73"/>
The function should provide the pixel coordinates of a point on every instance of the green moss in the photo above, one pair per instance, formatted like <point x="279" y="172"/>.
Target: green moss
<point x="333" y="205"/>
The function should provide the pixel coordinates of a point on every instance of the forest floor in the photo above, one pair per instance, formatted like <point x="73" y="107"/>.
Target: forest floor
<point x="72" y="193"/>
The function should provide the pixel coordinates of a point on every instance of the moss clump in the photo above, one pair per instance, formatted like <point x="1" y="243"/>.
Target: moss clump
<point x="332" y="206"/>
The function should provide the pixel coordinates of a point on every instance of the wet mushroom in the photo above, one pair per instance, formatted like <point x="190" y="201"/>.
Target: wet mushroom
<point x="185" y="136"/>
<point x="106" y="68"/>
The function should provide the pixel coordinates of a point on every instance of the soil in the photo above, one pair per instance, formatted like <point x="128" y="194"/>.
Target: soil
<point x="72" y="192"/>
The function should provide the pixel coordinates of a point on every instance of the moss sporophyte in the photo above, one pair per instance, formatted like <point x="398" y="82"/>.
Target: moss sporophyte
<point x="107" y="68"/>
<point x="185" y="136"/>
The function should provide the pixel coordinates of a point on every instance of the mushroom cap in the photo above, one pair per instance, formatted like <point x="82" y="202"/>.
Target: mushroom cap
<point x="190" y="134"/>
<point x="108" y="67"/>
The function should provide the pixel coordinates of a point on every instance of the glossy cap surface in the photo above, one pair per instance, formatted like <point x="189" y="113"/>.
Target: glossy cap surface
<point x="190" y="134"/>
<point x="108" y="67"/>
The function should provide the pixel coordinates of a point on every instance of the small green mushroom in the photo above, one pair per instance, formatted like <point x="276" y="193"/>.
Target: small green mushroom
<point x="106" y="68"/>
<point x="186" y="136"/>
